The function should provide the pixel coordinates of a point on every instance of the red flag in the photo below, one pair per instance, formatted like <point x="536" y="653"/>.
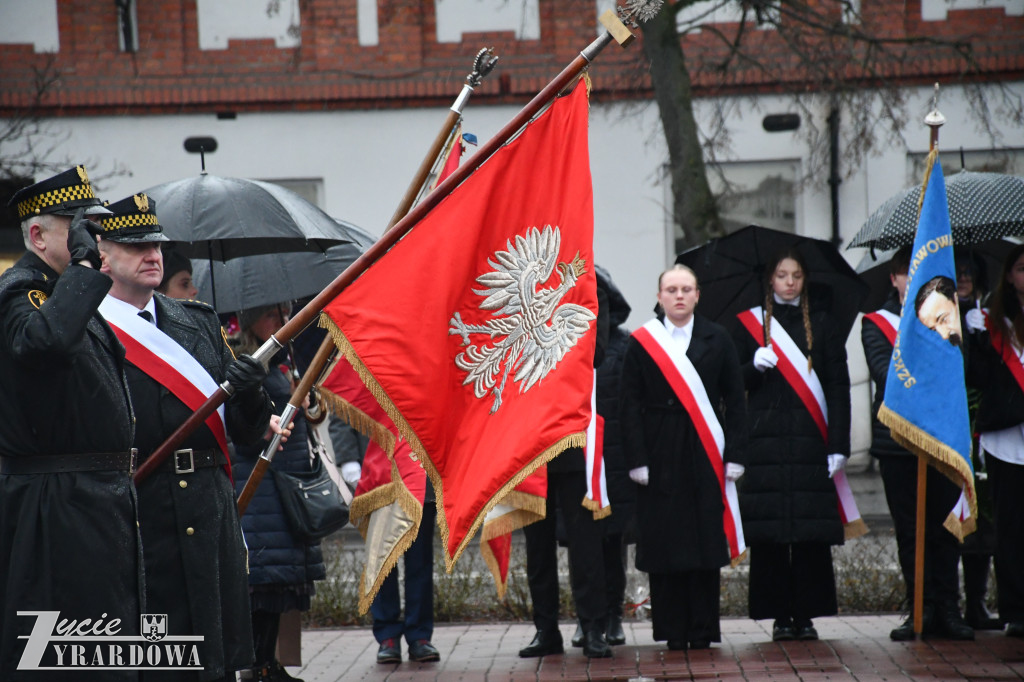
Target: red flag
<point x="475" y="331"/>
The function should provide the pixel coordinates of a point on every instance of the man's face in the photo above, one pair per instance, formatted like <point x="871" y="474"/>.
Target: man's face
<point x="678" y="296"/>
<point x="138" y="266"/>
<point x="941" y="315"/>
<point x="53" y="231"/>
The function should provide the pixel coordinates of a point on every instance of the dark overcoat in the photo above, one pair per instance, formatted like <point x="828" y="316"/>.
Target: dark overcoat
<point x="679" y="513"/>
<point x="194" y="553"/>
<point x="878" y="353"/>
<point x="68" y="541"/>
<point x="275" y="556"/>
<point x="786" y="495"/>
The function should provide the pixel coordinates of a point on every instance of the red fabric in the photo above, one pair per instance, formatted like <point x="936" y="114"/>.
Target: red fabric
<point x="884" y="325"/>
<point x="396" y="317"/>
<point x="1006" y="351"/>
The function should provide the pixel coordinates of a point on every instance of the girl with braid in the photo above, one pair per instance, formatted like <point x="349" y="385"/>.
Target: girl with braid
<point x="798" y="395"/>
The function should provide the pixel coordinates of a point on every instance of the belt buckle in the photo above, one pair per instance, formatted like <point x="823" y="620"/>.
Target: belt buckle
<point x="178" y="459"/>
<point x="133" y="460"/>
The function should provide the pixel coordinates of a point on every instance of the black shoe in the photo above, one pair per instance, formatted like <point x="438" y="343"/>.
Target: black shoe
<point x="577" y="637"/>
<point x="422" y="651"/>
<point x="905" y="631"/>
<point x="615" y="635"/>
<point x="594" y="645"/>
<point x="977" y="615"/>
<point x="949" y="624"/>
<point x="676" y="645"/>
<point x="389" y="652"/>
<point x="543" y="644"/>
<point x="804" y="630"/>
<point x="700" y="643"/>
<point x="279" y="674"/>
<point x="782" y="631"/>
<point x="1015" y="629"/>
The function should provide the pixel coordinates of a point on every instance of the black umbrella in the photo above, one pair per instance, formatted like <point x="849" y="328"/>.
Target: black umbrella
<point x="731" y="272"/>
<point x="223" y="218"/>
<point x="982" y="206"/>
<point x="265" y="279"/>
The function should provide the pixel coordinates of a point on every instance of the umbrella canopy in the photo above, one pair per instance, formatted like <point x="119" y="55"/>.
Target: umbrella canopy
<point x="731" y="272"/>
<point x="223" y="218"/>
<point x="265" y="279"/>
<point x="982" y="206"/>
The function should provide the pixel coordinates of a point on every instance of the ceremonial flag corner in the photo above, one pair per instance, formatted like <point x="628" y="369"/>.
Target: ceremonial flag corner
<point x="475" y="331"/>
<point x="925" y="403"/>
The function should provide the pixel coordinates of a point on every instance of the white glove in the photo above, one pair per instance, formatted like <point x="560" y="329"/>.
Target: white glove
<point x="975" y="320"/>
<point x="733" y="471"/>
<point x="640" y="475"/>
<point x="836" y="463"/>
<point x="764" y="358"/>
<point x="351" y="471"/>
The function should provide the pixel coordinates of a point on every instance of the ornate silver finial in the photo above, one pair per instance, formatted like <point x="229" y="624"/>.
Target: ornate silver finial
<point x="482" y="65"/>
<point x="934" y="117"/>
<point x="638" y="10"/>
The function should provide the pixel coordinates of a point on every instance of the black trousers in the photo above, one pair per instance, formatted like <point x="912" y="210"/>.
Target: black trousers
<point x="792" y="581"/>
<point x="685" y="605"/>
<point x="941" y="548"/>
<point x="1007" y="484"/>
<point x="566" y="490"/>
<point x="614" y="572"/>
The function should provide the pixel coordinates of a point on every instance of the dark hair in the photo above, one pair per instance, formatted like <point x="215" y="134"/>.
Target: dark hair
<point x="899" y="264"/>
<point x="769" y="298"/>
<point x="939" y="284"/>
<point x="1005" y="304"/>
<point x="174" y="262"/>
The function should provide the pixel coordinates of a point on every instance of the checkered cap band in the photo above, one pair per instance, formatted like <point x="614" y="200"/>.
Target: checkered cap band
<point x="40" y="202"/>
<point x="127" y="221"/>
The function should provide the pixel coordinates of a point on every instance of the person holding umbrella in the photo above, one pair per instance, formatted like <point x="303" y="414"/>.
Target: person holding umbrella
<point x="282" y="568"/>
<point x="176" y="356"/>
<point x="681" y="380"/>
<point x="798" y="393"/>
<point x="995" y="369"/>
<point x="898" y="469"/>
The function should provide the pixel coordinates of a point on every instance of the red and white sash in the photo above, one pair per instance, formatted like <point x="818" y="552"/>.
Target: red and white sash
<point x="686" y="383"/>
<point x="887" y="321"/>
<point x="1006" y="351"/>
<point x="792" y="365"/>
<point x="163" y="360"/>
<point x="596" y="498"/>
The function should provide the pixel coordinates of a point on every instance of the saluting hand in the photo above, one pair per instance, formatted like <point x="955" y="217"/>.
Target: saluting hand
<point x="83" y="240"/>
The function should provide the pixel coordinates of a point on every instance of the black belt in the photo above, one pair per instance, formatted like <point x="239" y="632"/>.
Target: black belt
<point x="187" y="460"/>
<point x="55" y="464"/>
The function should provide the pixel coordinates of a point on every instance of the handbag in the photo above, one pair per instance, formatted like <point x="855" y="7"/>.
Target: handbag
<point x="313" y="504"/>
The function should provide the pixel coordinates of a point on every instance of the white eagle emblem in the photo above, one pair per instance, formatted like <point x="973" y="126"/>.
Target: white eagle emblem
<point x="531" y="332"/>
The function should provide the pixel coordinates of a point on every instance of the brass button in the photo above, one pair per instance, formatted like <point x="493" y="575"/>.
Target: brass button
<point x="190" y="531"/>
<point x="183" y="484"/>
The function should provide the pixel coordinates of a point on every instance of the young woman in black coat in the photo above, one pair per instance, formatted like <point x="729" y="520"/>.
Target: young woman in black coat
<point x="994" y="367"/>
<point x="788" y="502"/>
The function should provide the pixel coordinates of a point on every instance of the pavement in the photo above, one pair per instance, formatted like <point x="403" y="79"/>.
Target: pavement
<point x="850" y="648"/>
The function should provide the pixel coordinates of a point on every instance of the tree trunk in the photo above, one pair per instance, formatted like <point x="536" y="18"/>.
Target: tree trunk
<point x="693" y="205"/>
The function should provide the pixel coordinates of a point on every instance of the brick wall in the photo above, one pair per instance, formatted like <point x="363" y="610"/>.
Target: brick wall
<point x="330" y="70"/>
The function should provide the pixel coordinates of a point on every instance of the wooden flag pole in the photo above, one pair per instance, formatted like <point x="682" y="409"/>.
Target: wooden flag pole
<point x="482" y="65"/>
<point x="391" y="237"/>
<point x="933" y="120"/>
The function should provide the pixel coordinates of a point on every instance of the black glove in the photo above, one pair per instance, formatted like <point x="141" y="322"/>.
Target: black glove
<point x="245" y="374"/>
<point x="82" y="240"/>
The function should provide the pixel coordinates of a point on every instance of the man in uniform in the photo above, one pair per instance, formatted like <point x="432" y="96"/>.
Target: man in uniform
<point x="69" y="542"/>
<point x="176" y="357"/>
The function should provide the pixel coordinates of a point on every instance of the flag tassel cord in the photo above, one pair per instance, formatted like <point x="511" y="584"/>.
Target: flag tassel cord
<point x="359" y="420"/>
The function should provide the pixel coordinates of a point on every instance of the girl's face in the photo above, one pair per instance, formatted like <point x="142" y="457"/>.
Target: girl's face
<point x="1015" y="277"/>
<point x="788" y="279"/>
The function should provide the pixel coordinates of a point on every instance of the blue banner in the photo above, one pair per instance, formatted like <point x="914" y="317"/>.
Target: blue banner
<point x="925" y="403"/>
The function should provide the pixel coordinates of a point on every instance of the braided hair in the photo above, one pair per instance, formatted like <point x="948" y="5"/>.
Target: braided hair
<point x="769" y="299"/>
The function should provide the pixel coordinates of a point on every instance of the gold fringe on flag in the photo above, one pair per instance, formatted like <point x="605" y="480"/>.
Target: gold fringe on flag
<point x="574" y="440"/>
<point x="492" y="565"/>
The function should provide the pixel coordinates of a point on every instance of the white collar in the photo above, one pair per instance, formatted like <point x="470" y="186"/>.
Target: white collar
<point x="129" y="308"/>
<point x="794" y="302"/>
<point x="686" y="330"/>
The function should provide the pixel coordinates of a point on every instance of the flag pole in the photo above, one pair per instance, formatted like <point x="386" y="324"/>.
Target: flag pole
<point x="934" y="121"/>
<point x="615" y="30"/>
<point x="483" y="64"/>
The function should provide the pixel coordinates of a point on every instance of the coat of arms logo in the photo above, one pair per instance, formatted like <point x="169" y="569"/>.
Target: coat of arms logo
<point x="154" y="626"/>
<point x="530" y="331"/>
